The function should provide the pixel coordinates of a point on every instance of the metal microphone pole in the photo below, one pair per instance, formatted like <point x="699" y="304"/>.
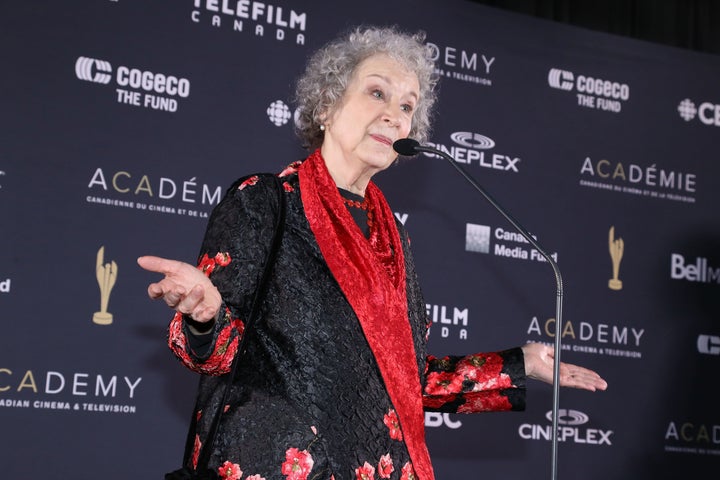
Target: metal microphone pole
<point x="410" y="147"/>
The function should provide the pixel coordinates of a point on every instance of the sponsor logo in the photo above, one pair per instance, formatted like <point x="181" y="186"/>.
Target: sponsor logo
<point x="473" y="149"/>
<point x="63" y="391"/>
<point x="644" y="181"/>
<point x="617" y="250"/>
<point x="451" y="320"/>
<point x="92" y="70"/>
<point x="437" y="419"/>
<point x="708" y="113"/>
<point x="592" y="338"/>
<point x="123" y="189"/>
<point x="463" y="65"/>
<point x="572" y="428"/>
<point x="591" y="92"/>
<point x="260" y="19"/>
<point x="708" y="344"/>
<point x="279" y="113"/>
<point x="501" y="243"/>
<point x="106" y="275"/>
<point x="699" y="271"/>
<point x="136" y="87"/>
<point x="692" y="438"/>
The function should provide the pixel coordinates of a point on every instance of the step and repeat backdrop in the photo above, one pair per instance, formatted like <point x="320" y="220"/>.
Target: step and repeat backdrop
<point x="123" y="122"/>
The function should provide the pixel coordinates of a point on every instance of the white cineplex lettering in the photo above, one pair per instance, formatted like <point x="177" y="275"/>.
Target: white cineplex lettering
<point x="79" y="384"/>
<point x="709" y="114"/>
<point x="153" y="82"/>
<point x="699" y="271"/>
<point x="708" y="344"/>
<point x="604" y="88"/>
<point x="590" y="436"/>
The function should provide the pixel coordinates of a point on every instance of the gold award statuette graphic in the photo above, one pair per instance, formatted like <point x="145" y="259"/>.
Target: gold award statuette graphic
<point x="617" y="247"/>
<point x="106" y="275"/>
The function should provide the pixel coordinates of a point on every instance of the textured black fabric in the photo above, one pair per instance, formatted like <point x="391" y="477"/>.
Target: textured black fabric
<point x="308" y="379"/>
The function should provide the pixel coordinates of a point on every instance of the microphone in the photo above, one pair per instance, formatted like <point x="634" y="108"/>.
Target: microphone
<point x="409" y="147"/>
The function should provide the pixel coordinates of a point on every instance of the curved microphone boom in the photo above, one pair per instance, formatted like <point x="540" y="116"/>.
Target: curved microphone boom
<point x="409" y="147"/>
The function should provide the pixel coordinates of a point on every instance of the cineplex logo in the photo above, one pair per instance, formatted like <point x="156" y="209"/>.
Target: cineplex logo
<point x="470" y="148"/>
<point x="571" y="428"/>
<point x="592" y="92"/>
<point x="136" y="87"/>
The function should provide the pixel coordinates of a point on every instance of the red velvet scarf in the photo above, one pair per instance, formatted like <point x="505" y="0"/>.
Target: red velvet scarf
<point x="371" y="274"/>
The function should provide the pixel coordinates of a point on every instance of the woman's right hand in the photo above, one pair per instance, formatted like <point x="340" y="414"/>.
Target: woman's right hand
<point x="185" y="288"/>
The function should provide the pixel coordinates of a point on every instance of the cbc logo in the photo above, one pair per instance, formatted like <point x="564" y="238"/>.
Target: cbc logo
<point x="278" y="113"/>
<point x="564" y="80"/>
<point x="101" y="73"/>
<point x="472" y="140"/>
<point x="568" y="417"/>
<point x="707" y="113"/>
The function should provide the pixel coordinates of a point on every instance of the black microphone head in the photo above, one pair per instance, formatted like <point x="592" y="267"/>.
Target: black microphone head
<point x="406" y="146"/>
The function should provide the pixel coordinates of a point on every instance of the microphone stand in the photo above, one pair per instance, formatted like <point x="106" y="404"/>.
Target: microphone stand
<point x="409" y="143"/>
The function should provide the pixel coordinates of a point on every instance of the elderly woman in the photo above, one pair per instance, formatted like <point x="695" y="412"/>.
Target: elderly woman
<point x="335" y="377"/>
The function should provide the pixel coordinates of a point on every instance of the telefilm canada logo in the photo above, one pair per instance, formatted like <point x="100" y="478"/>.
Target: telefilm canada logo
<point x="707" y="113"/>
<point x="476" y="149"/>
<point x="259" y="19"/>
<point x="591" y="92"/>
<point x="134" y="86"/>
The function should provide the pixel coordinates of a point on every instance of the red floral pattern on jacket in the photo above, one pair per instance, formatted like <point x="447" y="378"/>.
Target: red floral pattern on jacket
<point x="451" y="384"/>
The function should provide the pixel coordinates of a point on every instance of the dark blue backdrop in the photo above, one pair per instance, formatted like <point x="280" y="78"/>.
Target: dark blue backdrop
<point x="122" y="121"/>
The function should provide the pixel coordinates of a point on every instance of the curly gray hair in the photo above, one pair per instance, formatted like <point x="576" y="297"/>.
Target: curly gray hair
<point x="330" y="69"/>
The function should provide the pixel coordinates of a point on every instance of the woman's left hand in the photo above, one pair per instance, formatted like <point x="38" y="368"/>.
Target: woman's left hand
<point x="539" y="364"/>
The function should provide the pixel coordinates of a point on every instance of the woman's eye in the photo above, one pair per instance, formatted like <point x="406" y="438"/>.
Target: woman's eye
<point x="407" y="108"/>
<point x="378" y="94"/>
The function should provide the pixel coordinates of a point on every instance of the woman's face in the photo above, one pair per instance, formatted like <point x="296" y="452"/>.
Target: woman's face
<point x="375" y="110"/>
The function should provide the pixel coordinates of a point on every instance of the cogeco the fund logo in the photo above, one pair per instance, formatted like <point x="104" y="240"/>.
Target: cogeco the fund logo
<point x="134" y="86"/>
<point x="592" y="92"/>
<point x="93" y="70"/>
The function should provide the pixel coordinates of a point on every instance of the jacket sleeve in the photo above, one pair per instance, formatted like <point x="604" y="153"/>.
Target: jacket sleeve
<point x="234" y="247"/>
<point x="482" y="382"/>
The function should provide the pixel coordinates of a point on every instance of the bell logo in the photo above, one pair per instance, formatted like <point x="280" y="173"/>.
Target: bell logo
<point x="93" y="70"/>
